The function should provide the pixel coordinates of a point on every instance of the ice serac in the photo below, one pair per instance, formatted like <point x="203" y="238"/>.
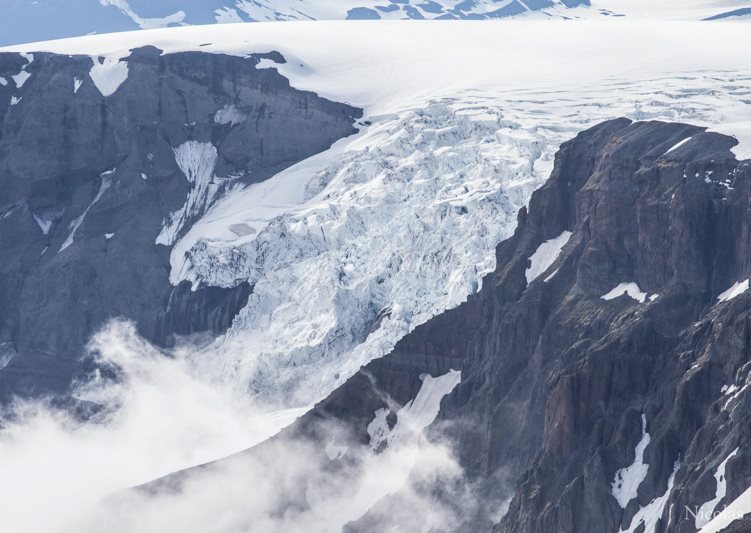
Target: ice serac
<point x="98" y="163"/>
<point x="352" y="248"/>
<point x="556" y="383"/>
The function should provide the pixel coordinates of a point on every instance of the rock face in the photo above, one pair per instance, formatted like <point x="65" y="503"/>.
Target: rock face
<point x="609" y="392"/>
<point x="104" y="164"/>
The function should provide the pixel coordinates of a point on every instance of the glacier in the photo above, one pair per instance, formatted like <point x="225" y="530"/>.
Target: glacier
<point x="393" y="226"/>
<point x="353" y="248"/>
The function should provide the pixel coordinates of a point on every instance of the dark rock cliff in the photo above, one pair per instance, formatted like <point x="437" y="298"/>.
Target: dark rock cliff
<point x="90" y="177"/>
<point x="556" y="379"/>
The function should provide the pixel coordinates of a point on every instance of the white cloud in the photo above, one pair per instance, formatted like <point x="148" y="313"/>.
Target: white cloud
<point x="158" y="419"/>
<point x="60" y="475"/>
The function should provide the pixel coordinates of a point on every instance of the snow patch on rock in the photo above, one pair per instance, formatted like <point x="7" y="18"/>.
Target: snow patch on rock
<point x="627" y="480"/>
<point x="650" y="514"/>
<point x="545" y="255"/>
<point x="678" y="145"/>
<point x="351" y="249"/>
<point x="229" y="114"/>
<point x="108" y="74"/>
<point x="416" y="415"/>
<point x="197" y="161"/>
<point x="266" y="62"/>
<point x="628" y="288"/>
<point x="739" y="508"/>
<point x="21" y="78"/>
<point x="75" y="224"/>
<point x="707" y="509"/>
<point x="735" y="392"/>
<point x="738" y="288"/>
<point x="44" y="223"/>
<point x="419" y="413"/>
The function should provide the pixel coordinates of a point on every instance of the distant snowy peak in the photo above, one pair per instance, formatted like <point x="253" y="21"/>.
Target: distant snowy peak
<point x="24" y="21"/>
<point x="265" y="10"/>
<point x="39" y="20"/>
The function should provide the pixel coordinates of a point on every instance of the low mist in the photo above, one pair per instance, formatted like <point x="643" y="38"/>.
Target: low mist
<point x="58" y="474"/>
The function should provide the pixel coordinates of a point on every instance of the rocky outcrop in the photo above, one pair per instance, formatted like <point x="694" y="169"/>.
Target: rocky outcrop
<point x="605" y="393"/>
<point x="104" y="163"/>
<point x="209" y="309"/>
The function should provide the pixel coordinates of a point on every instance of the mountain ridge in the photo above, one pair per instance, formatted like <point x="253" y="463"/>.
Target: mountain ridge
<point x="43" y="20"/>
